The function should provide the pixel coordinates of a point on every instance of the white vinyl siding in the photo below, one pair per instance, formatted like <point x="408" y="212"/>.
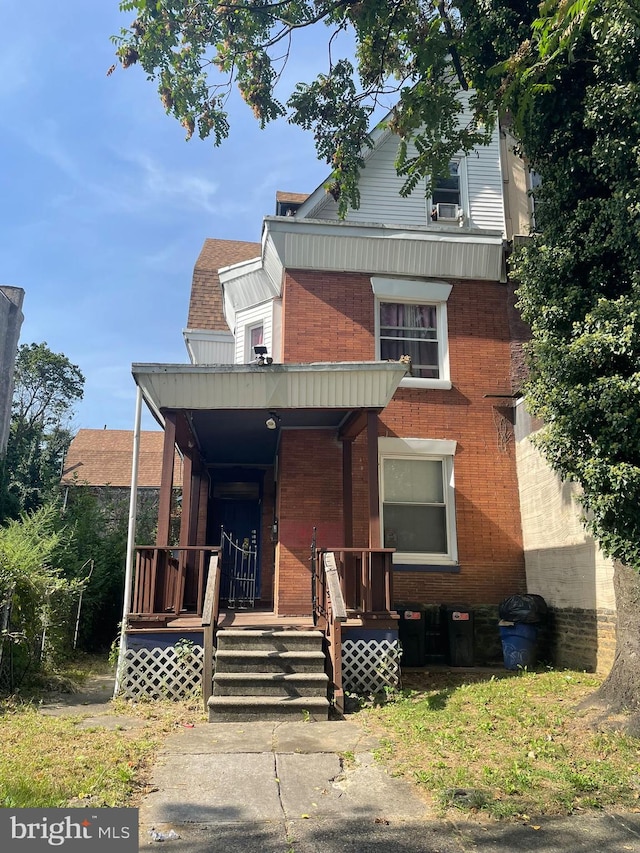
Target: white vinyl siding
<point x="380" y="199"/>
<point x="248" y="319"/>
<point x="381" y="202"/>
<point x="209" y="347"/>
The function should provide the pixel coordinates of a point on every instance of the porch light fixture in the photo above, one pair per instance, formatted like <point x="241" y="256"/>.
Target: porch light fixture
<point x="273" y="421"/>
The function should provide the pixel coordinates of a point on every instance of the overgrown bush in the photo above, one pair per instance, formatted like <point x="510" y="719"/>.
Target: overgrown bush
<point x="36" y="599"/>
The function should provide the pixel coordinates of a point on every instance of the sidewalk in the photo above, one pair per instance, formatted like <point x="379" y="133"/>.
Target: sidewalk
<point x="315" y="788"/>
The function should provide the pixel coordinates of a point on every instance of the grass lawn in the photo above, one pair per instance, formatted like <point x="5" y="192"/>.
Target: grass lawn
<point x="51" y="761"/>
<point x="509" y="746"/>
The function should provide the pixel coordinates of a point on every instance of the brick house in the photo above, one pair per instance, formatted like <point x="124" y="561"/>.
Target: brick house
<point x="100" y="460"/>
<point x="315" y="452"/>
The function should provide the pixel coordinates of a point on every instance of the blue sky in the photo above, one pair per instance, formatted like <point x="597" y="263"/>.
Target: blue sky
<point x="103" y="205"/>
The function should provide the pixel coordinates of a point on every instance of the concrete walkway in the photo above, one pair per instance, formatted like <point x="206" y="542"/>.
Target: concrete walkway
<point x="315" y="788"/>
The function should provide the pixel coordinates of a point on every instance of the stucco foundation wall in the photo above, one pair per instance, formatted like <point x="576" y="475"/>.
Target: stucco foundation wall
<point x="564" y="565"/>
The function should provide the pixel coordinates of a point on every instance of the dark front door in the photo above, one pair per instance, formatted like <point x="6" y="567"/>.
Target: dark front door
<point x="237" y="512"/>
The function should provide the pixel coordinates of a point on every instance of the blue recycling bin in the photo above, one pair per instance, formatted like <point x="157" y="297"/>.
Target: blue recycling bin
<point x="519" y="645"/>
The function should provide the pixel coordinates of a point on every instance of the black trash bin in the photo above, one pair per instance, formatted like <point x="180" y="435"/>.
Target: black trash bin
<point x="458" y="621"/>
<point x="411" y="633"/>
<point x="435" y="636"/>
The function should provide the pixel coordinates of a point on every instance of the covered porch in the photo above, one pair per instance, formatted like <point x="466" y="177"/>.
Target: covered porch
<point x="267" y="493"/>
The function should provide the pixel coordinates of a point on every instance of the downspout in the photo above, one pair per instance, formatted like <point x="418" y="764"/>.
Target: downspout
<point x="131" y="540"/>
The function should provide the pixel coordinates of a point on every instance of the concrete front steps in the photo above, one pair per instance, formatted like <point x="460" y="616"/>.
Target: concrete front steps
<point x="268" y="674"/>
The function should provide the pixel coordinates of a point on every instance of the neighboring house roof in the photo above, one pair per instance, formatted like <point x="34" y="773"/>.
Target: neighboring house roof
<point x="102" y="457"/>
<point x="205" y="307"/>
<point x="293" y="198"/>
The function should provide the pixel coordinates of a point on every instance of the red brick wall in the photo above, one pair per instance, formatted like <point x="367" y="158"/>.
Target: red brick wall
<point x="330" y="317"/>
<point x="309" y="493"/>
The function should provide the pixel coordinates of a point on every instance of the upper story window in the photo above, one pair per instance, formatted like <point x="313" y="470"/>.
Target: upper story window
<point x="254" y="336"/>
<point x="446" y="199"/>
<point x="411" y="319"/>
<point x="408" y="329"/>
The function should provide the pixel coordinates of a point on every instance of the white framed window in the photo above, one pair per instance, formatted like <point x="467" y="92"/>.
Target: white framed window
<point x="418" y="500"/>
<point x="448" y="197"/>
<point x="253" y="337"/>
<point x="411" y="319"/>
<point x="410" y="329"/>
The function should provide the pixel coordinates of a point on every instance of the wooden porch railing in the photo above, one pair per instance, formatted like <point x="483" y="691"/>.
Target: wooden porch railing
<point x="331" y="613"/>
<point x="349" y="582"/>
<point x="170" y="580"/>
<point x="366" y="579"/>
<point x="210" y="613"/>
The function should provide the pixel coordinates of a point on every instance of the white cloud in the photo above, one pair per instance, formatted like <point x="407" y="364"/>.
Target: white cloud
<point x="161" y="185"/>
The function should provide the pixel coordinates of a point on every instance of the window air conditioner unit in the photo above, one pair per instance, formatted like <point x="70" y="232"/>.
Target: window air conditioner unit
<point x="450" y="212"/>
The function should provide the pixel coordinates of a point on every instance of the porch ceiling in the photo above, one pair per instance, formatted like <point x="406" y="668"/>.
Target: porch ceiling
<point x="242" y="438"/>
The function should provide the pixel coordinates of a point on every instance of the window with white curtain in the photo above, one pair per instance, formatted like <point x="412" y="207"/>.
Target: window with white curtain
<point x="417" y="495"/>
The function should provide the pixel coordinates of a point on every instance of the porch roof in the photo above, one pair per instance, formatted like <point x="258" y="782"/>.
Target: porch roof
<point x="229" y="403"/>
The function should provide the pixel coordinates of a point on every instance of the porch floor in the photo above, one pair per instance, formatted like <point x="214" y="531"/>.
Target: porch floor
<point x="229" y="618"/>
<point x="262" y="619"/>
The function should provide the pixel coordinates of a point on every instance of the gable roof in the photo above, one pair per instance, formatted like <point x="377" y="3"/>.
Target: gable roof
<point x="205" y="305"/>
<point x="102" y="457"/>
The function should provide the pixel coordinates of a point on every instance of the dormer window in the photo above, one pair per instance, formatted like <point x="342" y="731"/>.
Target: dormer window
<point x="446" y="199"/>
<point x="254" y="337"/>
<point x="287" y="204"/>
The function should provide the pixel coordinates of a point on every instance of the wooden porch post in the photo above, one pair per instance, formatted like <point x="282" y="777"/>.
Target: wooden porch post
<point x="166" y="482"/>
<point x="187" y="499"/>
<point x="374" y="491"/>
<point x="201" y="521"/>
<point x="347" y="492"/>
<point x="196" y="489"/>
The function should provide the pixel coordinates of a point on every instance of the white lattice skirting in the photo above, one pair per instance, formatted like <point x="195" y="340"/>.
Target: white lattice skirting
<point x="161" y="673"/>
<point x="370" y="665"/>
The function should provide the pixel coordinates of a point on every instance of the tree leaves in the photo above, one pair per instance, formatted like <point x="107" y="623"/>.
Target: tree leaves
<point x="46" y="387"/>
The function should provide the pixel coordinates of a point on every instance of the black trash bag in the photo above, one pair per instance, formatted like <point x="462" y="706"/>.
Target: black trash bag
<point x="527" y="608"/>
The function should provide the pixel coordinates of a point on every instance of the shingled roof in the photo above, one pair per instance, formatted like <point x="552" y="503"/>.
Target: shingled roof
<point x="295" y="198"/>
<point x="102" y="457"/>
<point x="205" y="306"/>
